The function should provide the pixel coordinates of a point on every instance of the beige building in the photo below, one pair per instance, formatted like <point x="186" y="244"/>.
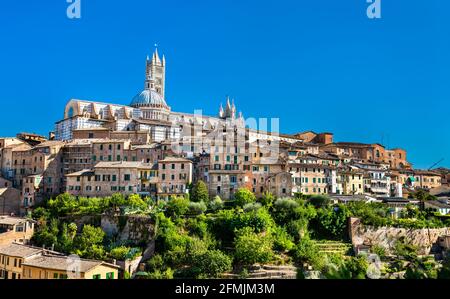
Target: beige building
<point x="12" y="258"/>
<point x="26" y="262"/>
<point x="63" y="267"/>
<point x="427" y="179"/>
<point x="350" y="181"/>
<point x="15" y="230"/>
<point x="174" y="174"/>
<point x="107" y="178"/>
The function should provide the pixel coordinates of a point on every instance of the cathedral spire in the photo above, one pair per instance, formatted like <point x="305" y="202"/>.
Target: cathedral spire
<point x="156" y="58"/>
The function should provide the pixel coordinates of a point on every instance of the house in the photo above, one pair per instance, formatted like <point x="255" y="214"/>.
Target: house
<point x="14" y="229"/>
<point x="67" y="267"/>
<point x="174" y="176"/>
<point x="107" y="178"/>
<point x="12" y="257"/>
<point x="441" y="206"/>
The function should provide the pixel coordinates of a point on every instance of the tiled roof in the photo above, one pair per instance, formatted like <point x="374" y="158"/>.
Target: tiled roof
<point x="175" y="159"/>
<point x="11" y="220"/>
<point x="18" y="250"/>
<point x="62" y="263"/>
<point x="123" y="164"/>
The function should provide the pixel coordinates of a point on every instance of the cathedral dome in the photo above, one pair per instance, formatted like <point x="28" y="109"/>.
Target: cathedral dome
<point x="148" y="98"/>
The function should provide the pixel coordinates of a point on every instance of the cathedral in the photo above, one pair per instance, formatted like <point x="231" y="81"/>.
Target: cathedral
<point x="148" y="111"/>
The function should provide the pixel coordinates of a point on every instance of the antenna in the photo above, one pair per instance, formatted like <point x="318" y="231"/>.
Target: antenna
<point x="435" y="164"/>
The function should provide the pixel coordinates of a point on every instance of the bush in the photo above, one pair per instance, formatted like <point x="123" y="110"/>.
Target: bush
<point x="197" y="208"/>
<point x="307" y="252"/>
<point x="252" y="248"/>
<point x="244" y="196"/>
<point x="267" y="199"/>
<point x="216" y="203"/>
<point x="157" y="274"/>
<point x="282" y="240"/>
<point x="251" y="207"/>
<point x="319" y="201"/>
<point x="177" y="206"/>
<point x="123" y="253"/>
<point x="212" y="264"/>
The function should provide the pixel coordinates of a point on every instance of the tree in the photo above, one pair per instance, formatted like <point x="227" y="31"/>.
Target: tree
<point x="212" y="263"/>
<point x="89" y="243"/>
<point x="135" y="201"/>
<point x="199" y="192"/>
<point x="244" y="196"/>
<point x="197" y="208"/>
<point x="251" y="248"/>
<point x="333" y="220"/>
<point x="423" y="195"/>
<point x="307" y="251"/>
<point x="319" y="201"/>
<point x="117" y="200"/>
<point x="67" y="235"/>
<point x="177" y="206"/>
<point x="282" y="240"/>
<point x="267" y="199"/>
<point x="216" y="203"/>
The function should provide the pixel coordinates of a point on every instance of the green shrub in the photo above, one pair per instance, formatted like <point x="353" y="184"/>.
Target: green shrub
<point x="251" y="248"/>
<point x="244" y="196"/>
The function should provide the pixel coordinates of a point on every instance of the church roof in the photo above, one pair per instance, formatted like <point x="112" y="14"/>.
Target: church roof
<point x="148" y="97"/>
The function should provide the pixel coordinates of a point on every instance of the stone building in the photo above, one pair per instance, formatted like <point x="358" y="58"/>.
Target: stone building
<point x="107" y="178"/>
<point x="426" y="179"/>
<point x="15" y="230"/>
<point x="174" y="175"/>
<point x="350" y="181"/>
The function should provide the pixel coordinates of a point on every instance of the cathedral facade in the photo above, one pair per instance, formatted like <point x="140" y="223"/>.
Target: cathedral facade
<point x="149" y="112"/>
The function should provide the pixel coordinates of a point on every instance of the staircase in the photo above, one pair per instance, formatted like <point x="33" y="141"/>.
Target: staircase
<point x="267" y="272"/>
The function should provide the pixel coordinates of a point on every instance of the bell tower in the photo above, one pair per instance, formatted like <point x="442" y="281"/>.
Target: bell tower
<point x="156" y="69"/>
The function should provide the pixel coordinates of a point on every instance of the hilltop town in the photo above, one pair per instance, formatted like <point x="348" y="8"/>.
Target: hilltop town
<point x="143" y="191"/>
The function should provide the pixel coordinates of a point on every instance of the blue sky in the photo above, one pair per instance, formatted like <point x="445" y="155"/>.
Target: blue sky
<point x="316" y="65"/>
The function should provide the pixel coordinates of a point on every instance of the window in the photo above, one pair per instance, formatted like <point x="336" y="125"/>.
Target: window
<point x="109" y="158"/>
<point x="110" y="275"/>
<point x="127" y="177"/>
<point x="118" y="158"/>
<point x="216" y="159"/>
<point x="118" y="146"/>
<point x="182" y="166"/>
<point x="114" y="177"/>
<point x="96" y="276"/>
<point x="173" y="166"/>
<point x="130" y="188"/>
<point x="164" y="166"/>
<point x="101" y="147"/>
<point x="163" y="176"/>
<point x="55" y="275"/>
<point x="94" y="158"/>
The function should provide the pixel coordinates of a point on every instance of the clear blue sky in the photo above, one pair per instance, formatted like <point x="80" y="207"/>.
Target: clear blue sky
<point x="317" y="65"/>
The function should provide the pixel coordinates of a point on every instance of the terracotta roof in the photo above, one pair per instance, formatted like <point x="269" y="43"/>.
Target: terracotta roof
<point x="12" y="220"/>
<point x="174" y="159"/>
<point x="123" y="164"/>
<point x="18" y="250"/>
<point x="61" y="263"/>
<point x="84" y="172"/>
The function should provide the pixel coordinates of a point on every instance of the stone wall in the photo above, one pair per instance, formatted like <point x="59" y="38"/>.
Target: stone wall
<point x="386" y="237"/>
<point x="134" y="228"/>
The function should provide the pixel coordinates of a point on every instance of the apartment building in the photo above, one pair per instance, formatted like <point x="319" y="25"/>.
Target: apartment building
<point x="107" y="178"/>
<point x="174" y="176"/>
<point x="349" y="181"/>
<point x="15" y="230"/>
